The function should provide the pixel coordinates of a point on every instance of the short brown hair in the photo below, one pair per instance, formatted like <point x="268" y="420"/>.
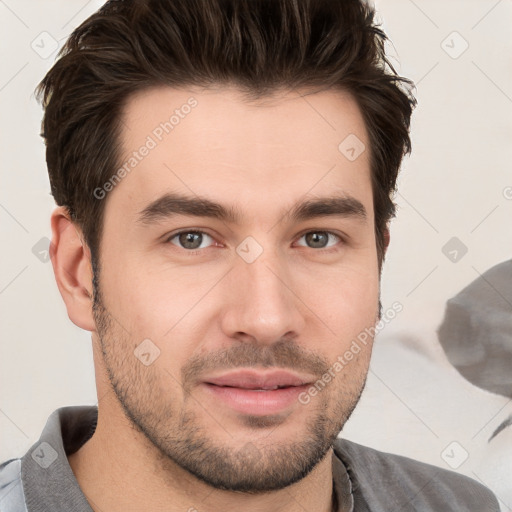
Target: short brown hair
<point x="261" y="46"/>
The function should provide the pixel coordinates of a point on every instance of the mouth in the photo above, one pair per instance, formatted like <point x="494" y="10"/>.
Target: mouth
<point x="257" y="380"/>
<point x="257" y="393"/>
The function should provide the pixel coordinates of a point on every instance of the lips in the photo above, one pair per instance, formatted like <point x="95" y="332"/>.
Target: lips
<point x="250" y="379"/>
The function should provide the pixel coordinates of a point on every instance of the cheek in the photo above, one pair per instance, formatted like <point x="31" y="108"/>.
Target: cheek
<point x="148" y="301"/>
<point x="165" y="308"/>
<point x="346" y="302"/>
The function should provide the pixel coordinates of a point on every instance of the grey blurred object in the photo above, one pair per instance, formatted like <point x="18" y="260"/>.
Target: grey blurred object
<point x="476" y="332"/>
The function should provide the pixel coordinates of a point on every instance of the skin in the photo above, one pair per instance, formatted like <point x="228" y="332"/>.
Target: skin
<point x="163" y="443"/>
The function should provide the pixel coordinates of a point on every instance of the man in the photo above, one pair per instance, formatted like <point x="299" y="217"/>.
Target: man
<point x="224" y="173"/>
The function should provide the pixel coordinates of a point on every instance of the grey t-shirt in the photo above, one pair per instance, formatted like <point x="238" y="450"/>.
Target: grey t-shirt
<point x="43" y="481"/>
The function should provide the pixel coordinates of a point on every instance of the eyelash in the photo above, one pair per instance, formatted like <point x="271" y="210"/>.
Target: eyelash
<point x="194" y="252"/>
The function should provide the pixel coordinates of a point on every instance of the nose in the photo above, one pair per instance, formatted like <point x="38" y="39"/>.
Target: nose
<point x="263" y="305"/>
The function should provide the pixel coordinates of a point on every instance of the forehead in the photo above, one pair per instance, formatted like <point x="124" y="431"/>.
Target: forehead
<point x="215" y="143"/>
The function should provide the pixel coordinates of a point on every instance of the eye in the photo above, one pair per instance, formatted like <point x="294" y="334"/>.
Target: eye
<point x="193" y="240"/>
<point x="319" y="239"/>
<point x="189" y="239"/>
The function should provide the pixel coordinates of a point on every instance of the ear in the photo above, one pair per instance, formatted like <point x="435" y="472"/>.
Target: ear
<point x="71" y="260"/>
<point x="386" y="239"/>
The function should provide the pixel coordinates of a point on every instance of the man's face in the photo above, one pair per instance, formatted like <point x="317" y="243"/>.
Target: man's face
<point x="270" y="291"/>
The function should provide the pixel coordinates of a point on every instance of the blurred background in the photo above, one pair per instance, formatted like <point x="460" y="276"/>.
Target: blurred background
<point x="440" y="379"/>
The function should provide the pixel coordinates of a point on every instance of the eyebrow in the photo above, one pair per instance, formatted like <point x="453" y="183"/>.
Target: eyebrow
<point x="172" y="204"/>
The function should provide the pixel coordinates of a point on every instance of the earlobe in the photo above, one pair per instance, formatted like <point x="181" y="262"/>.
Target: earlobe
<point x="386" y="239"/>
<point x="72" y="268"/>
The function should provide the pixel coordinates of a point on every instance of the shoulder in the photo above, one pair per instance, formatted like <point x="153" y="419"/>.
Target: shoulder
<point x="23" y="485"/>
<point x="384" y="479"/>
<point x="12" y="497"/>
